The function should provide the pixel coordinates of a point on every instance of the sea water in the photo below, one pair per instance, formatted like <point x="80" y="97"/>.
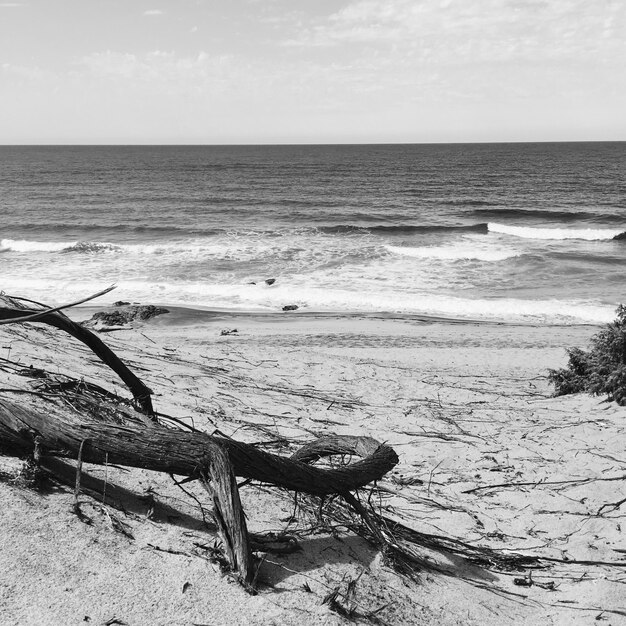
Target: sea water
<point x="508" y="232"/>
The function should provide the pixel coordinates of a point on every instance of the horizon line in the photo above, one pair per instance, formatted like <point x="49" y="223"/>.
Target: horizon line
<point x="306" y="143"/>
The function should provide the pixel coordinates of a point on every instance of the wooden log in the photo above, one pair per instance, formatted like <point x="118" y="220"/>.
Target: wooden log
<point x="176" y="451"/>
<point x="214" y="460"/>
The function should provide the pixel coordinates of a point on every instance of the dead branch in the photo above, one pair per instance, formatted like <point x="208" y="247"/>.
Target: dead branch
<point x="177" y="452"/>
<point x="35" y="315"/>
<point x="14" y="310"/>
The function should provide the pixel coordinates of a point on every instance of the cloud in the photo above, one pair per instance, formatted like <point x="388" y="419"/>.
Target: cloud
<point x="153" y="12"/>
<point x="454" y="54"/>
<point x="164" y="70"/>
<point x="453" y="31"/>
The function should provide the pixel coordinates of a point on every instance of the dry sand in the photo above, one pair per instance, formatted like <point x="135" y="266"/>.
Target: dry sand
<point x="464" y="405"/>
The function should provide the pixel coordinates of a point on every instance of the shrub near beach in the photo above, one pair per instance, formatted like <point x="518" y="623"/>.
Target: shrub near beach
<point x="600" y="370"/>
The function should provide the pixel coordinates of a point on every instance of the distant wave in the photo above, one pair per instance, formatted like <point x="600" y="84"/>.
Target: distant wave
<point x="177" y="231"/>
<point x="91" y="247"/>
<point x="453" y="253"/>
<point x="21" y="245"/>
<point x="403" y="229"/>
<point x="526" y="232"/>
<point x="161" y="232"/>
<point x="470" y="202"/>
<point x="549" y="214"/>
<point x="117" y="228"/>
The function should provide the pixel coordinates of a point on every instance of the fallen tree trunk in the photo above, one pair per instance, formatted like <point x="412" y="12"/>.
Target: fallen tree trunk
<point x="214" y="460"/>
<point x="180" y="452"/>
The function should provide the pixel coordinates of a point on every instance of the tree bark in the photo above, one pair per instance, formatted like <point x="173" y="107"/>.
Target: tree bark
<point x="179" y="452"/>
<point x="228" y="513"/>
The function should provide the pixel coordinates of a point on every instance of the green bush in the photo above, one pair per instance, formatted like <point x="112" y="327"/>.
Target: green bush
<point x="602" y="369"/>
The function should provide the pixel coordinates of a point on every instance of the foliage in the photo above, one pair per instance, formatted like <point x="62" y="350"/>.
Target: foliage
<point x="600" y="370"/>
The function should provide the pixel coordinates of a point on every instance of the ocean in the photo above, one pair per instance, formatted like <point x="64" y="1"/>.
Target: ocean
<point x="500" y="232"/>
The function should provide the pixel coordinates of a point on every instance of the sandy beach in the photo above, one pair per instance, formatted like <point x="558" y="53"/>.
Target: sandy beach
<point x="487" y="456"/>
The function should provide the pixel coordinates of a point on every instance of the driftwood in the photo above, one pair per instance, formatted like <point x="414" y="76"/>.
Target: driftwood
<point x="186" y="453"/>
<point x="15" y="311"/>
<point x="215" y="460"/>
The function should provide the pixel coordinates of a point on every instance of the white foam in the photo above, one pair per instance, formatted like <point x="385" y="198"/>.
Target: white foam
<point x="453" y="253"/>
<point x="310" y="297"/>
<point x="315" y="298"/>
<point x="22" y="245"/>
<point x="197" y="247"/>
<point x="588" y="234"/>
<point x="194" y="248"/>
<point x="428" y="303"/>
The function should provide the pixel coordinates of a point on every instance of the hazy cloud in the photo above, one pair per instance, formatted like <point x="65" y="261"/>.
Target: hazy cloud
<point x="163" y="70"/>
<point x="26" y="72"/>
<point x="153" y="12"/>
<point x="481" y="30"/>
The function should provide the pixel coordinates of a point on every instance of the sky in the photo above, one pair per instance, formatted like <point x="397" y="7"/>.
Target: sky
<point x="311" y="71"/>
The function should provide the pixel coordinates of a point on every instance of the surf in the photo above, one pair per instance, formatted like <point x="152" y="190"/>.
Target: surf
<point x="559" y="234"/>
<point x="453" y="253"/>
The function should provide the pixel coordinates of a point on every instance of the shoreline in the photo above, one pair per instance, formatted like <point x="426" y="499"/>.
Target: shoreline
<point x="188" y="315"/>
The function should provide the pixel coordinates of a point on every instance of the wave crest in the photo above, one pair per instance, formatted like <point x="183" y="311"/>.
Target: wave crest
<point x="527" y="232"/>
<point x="23" y="245"/>
<point x="403" y="229"/>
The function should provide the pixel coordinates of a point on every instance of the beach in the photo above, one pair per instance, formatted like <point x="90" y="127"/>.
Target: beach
<point x="429" y="288"/>
<point x="487" y="457"/>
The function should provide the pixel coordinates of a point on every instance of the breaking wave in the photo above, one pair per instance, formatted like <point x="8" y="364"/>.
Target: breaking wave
<point x="404" y="229"/>
<point x="528" y="232"/>
<point x="22" y="245"/>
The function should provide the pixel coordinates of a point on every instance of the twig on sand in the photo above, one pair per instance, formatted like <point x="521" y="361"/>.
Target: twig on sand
<point x="79" y="468"/>
<point x="541" y="483"/>
<point x="613" y="506"/>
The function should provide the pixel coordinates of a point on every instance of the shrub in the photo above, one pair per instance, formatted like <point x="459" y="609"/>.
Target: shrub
<point x="601" y="369"/>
